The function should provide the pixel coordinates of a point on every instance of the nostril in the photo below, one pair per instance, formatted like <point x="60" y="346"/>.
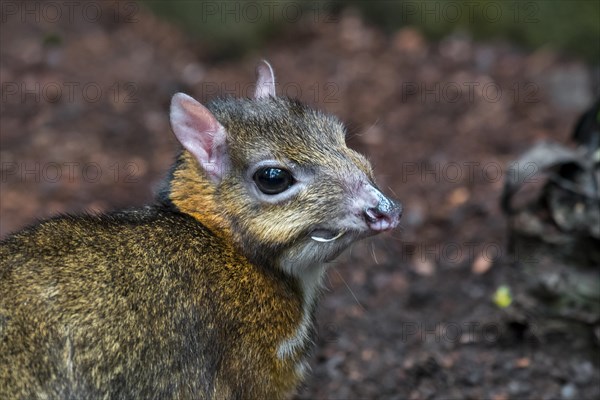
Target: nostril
<point x="373" y="214"/>
<point x="384" y="216"/>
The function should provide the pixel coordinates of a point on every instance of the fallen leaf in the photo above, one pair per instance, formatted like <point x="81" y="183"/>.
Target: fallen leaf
<point x="423" y="266"/>
<point x="481" y="265"/>
<point x="523" y="362"/>
<point x="502" y="298"/>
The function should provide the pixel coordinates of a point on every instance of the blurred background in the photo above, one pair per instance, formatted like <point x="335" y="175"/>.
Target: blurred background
<point x="471" y="298"/>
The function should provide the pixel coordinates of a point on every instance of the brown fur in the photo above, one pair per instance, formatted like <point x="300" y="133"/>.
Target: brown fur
<point x="76" y="319"/>
<point x="184" y="299"/>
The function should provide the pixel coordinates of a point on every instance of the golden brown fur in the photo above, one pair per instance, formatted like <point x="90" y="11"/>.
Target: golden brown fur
<point x="210" y="292"/>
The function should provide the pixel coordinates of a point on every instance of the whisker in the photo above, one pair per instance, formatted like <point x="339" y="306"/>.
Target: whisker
<point x="330" y="286"/>
<point x="366" y="132"/>
<point x="350" y="290"/>
<point x="397" y="238"/>
<point x="373" y="253"/>
<point x="351" y="255"/>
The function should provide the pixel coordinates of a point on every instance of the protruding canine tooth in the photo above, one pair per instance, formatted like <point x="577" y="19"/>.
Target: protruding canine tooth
<point x="323" y="240"/>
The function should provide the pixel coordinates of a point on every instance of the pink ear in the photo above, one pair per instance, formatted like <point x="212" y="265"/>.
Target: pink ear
<point x="265" y="82"/>
<point x="201" y="134"/>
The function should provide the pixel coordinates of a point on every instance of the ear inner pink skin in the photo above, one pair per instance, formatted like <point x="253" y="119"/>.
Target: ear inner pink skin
<point x="265" y="82"/>
<point x="200" y="133"/>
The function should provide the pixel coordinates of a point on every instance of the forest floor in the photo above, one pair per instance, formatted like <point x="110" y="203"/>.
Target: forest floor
<point x="407" y="315"/>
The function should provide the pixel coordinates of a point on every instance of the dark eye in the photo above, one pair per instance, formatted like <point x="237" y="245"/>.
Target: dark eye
<point x="273" y="180"/>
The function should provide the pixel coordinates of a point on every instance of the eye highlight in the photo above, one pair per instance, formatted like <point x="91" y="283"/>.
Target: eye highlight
<point x="271" y="180"/>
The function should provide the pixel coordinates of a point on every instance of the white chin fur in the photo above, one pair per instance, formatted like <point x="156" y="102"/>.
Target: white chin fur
<point x="323" y="240"/>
